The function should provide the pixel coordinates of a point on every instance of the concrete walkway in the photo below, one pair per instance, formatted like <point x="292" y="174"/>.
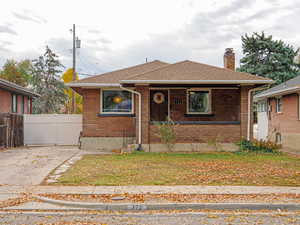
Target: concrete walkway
<point x="149" y="189"/>
<point x="29" y="166"/>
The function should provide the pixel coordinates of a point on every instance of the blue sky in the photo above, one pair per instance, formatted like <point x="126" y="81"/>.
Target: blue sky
<point x="117" y="34"/>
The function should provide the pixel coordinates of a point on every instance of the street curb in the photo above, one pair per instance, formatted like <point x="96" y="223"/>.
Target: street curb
<point x="171" y="206"/>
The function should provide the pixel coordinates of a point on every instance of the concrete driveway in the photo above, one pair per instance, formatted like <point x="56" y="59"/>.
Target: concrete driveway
<point x="29" y="166"/>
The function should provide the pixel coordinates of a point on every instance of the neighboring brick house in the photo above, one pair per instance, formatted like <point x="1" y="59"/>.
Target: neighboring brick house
<point x="205" y="102"/>
<point x="14" y="98"/>
<point x="279" y="114"/>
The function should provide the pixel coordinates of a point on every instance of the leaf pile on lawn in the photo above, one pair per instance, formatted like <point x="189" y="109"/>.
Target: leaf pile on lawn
<point x="184" y="169"/>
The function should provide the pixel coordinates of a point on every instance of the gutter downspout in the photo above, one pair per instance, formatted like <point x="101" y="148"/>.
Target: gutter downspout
<point x="249" y="108"/>
<point x="140" y="116"/>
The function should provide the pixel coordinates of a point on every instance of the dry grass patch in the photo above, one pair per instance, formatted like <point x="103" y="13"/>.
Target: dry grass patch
<point x="185" y="169"/>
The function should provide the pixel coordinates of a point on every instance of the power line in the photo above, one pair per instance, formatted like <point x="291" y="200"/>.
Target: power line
<point x="87" y="74"/>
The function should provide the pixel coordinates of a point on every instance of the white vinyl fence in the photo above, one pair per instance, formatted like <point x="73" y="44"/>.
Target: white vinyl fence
<point x="50" y="129"/>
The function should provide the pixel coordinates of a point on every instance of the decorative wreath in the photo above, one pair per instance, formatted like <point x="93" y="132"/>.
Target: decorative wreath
<point x="158" y="97"/>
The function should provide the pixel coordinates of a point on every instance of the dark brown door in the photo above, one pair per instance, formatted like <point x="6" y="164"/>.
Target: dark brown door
<point x="158" y="105"/>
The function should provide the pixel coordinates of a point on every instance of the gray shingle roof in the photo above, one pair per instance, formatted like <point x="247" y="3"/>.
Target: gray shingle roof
<point x="286" y="86"/>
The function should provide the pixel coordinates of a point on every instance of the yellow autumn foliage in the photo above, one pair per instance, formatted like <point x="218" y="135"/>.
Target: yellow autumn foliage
<point x="68" y="77"/>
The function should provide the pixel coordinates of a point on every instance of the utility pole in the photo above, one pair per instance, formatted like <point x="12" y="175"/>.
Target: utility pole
<point x="76" y="44"/>
<point x="74" y="69"/>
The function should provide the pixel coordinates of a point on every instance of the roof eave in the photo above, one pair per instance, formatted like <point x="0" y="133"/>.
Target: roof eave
<point x="196" y="81"/>
<point x="277" y="93"/>
<point x="18" y="90"/>
<point x="92" y="85"/>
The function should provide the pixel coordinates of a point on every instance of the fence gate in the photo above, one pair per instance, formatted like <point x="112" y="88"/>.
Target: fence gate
<point x="11" y="130"/>
<point x="50" y="129"/>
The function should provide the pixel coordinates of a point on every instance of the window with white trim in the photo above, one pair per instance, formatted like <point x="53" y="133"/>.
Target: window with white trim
<point x="116" y="101"/>
<point x="198" y="101"/>
<point x="262" y="106"/>
<point x="278" y="105"/>
<point x="14" y="103"/>
<point x="28" y="104"/>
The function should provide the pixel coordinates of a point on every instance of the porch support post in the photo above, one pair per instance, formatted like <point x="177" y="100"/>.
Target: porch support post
<point x="244" y="111"/>
<point x="145" y="96"/>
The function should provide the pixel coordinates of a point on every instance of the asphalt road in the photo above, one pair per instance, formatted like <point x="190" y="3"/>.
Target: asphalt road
<point x="149" y="219"/>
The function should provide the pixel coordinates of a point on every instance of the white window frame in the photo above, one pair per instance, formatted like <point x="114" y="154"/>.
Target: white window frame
<point x="262" y="106"/>
<point x="120" y="113"/>
<point x="14" y="103"/>
<point x="28" y="105"/>
<point x="277" y="105"/>
<point x="209" y="103"/>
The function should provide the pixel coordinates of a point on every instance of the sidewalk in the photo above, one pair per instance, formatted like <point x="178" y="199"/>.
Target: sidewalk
<point x="149" y="189"/>
<point x="46" y="203"/>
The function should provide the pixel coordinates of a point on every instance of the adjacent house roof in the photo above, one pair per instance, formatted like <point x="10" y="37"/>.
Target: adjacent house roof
<point x="195" y="73"/>
<point x="12" y="87"/>
<point x="288" y="87"/>
<point x="157" y="72"/>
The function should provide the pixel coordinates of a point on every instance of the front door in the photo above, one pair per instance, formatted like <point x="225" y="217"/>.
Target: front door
<point x="159" y="105"/>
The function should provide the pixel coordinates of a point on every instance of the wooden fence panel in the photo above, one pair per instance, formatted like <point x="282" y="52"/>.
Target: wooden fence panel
<point x="11" y="130"/>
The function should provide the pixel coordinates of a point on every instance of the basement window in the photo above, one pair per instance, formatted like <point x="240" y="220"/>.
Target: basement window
<point x="116" y="102"/>
<point x="199" y="101"/>
<point x="278" y="138"/>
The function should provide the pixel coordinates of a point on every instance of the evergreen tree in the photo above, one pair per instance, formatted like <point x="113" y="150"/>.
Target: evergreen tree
<point x="46" y="82"/>
<point x="269" y="58"/>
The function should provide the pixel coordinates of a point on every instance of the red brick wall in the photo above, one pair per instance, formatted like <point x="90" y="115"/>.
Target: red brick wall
<point x="225" y="105"/>
<point x="145" y="92"/>
<point x="201" y="133"/>
<point x="228" y="105"/>
<point x="20" y="98"/>
<point x="287" y="121"/>
<point x="103" y="126"/>
<point x="5" y="101"/>
<point x="244" y="112"/>
<point x="25" y="105"/>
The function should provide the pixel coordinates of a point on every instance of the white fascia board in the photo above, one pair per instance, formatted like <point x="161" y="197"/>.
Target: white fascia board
<point x="278" y="92"/>
<point x="92" y="85"/>
<point x="197" y="81"/>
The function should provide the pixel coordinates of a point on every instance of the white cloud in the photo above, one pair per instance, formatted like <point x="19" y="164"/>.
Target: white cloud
<point x="116" y="34"/>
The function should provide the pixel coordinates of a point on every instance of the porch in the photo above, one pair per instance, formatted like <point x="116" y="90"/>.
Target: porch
<point x="202" y="114"/>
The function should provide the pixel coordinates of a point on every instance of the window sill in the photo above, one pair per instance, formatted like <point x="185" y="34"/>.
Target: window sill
<point x="199" y="122"/>
<point x="199" y="115"/>
<point x="116" y="115"/>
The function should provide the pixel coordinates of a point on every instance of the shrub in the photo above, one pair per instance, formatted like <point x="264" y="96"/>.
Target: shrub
<point x="258" y="146"/>
<point x="166" y="132"/>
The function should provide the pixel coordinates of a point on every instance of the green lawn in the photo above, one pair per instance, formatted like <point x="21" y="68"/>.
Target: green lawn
<point x="184" y="169"/>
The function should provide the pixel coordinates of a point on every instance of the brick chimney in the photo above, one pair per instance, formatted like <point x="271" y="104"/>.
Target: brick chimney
<point x="229" y="59"/>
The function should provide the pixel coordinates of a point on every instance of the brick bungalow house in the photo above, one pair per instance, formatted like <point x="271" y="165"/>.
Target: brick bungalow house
<point x="279" y="114"/>
<point x="205" y="102"/>
<point x="14" y="98"/>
